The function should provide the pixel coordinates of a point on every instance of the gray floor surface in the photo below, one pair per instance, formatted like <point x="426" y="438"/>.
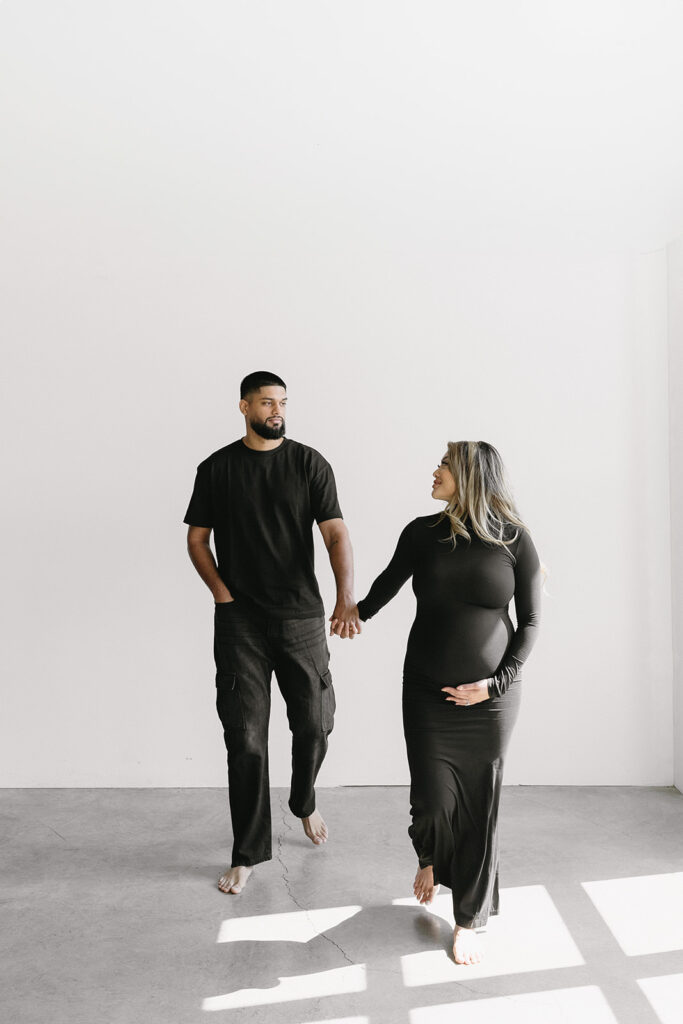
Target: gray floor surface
<point x="110" y="912"/>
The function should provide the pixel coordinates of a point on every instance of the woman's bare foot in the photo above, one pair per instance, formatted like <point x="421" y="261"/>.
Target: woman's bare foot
<point x="234" y="879"/>
<point x="315" y="828"/>
<point x="466" y="946"/>
<point x="424" y="887"/>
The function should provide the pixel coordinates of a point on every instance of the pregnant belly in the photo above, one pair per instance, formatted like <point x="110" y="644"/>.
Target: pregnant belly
<point x="459" y="647"/>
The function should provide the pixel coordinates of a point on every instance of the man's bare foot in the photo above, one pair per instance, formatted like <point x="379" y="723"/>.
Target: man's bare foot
<point x="234" y="879"/>
<point x="424" y="887"/>
<point x="315" y="828"/>
<point x="466" y="946"/>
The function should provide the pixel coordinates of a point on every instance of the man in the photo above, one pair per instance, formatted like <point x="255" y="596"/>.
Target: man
<point x="260" y="496"/>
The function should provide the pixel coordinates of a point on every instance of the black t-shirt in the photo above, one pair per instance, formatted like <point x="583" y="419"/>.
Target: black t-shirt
<point x="261" y="507"/>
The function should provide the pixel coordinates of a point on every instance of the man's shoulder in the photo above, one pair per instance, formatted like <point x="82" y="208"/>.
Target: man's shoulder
<point x="221" y="455"/>
<point x="310" y="456"/>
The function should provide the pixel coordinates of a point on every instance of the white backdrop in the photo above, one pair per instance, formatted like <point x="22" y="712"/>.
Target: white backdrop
<point x="433" y="227"/>
<point x="675" y="330"/>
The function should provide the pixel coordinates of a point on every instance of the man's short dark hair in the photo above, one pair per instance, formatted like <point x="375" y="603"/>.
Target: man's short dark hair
<point x="259" y="379"/>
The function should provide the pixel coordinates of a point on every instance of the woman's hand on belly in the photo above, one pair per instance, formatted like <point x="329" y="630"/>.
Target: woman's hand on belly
<point x="467" y="693"/>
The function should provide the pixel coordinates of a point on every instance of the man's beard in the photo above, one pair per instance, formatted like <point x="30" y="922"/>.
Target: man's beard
<point x="265" y="430"/>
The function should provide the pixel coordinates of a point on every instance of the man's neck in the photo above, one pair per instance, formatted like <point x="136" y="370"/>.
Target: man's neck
<point x="261" y="444"/>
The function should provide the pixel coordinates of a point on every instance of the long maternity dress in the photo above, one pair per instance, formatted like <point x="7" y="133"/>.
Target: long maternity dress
<point x="462" y="633"/>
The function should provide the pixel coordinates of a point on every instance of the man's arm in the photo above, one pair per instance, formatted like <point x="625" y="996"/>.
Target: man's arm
<point x="200" y="552"/>
<point x="344" y="619"/>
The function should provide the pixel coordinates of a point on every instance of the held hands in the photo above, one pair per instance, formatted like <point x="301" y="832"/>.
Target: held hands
<point x="467" y="693"/>
<point x="344" y="621"/>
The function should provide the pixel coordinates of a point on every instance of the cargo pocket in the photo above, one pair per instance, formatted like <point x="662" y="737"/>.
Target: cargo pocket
<point x="328" y="703"/>
<point x="229" y="701"/>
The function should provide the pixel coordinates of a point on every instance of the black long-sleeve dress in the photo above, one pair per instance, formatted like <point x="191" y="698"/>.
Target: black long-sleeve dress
<point x="462" y="633"/>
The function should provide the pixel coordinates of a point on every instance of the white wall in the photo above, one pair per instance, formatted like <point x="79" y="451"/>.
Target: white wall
<point x="675" y="330"/>
<point x="195" y="193"/>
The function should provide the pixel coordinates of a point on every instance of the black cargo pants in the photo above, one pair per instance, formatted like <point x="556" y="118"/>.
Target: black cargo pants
<point x="248" y="647"/>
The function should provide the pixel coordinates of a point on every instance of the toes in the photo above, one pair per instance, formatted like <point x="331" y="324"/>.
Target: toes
<point x="467" y="957"/>
<point x="227" y="884"/>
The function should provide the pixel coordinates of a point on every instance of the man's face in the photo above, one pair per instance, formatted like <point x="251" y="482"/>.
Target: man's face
<point x="265" y="411"/>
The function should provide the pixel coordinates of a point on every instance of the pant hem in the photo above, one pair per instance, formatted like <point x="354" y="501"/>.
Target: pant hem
<point x="251" y="862"/>
<point x="478" y="922"/>
<point x="304" y="814"/>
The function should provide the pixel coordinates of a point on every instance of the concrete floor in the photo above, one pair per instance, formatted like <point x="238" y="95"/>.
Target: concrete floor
<point x="110" y="913"/>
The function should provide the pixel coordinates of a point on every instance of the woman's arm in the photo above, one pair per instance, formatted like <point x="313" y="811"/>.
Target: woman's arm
<point x="389" y="582"/>
<point x="528" y="581"/>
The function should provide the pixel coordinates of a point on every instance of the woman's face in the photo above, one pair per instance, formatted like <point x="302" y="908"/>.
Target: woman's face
<point x="443" y="488"/>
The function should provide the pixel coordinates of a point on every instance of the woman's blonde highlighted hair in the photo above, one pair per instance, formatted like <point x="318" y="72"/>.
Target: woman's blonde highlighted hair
<point x="482" y="494"/>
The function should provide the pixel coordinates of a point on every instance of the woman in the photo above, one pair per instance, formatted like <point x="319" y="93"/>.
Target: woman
<point x="461" y="678"/>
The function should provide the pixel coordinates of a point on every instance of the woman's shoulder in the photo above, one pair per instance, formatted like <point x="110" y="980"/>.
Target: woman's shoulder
<point x="511" y="532"/>
<point x="423" y="523"/>
<point x="521" y="544"/>
<point x="422" y="529"/>
<point x="517" y="533"/>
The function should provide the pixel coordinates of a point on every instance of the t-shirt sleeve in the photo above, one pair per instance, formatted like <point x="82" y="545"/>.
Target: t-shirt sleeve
<point x="323" y="492"/>
<point x="200" y="510"/>
<point x="390" y="581"/>
<point x="528" y="582"/>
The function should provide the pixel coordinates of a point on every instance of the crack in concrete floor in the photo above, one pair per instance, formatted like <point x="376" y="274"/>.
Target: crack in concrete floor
<point x="285" y="878"/>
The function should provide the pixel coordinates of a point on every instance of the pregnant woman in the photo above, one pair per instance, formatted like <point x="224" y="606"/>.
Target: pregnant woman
<point x="461" y="677"/>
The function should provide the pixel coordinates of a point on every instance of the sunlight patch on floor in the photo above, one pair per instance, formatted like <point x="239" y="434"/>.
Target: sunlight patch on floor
<point x="586" y="1005"/>
<point x="341" y="981"/>
<point x="530" y="935"/>
<point x="665" y="996"/>
<point x="341" y="1020"/>
<point x="644" y="914"/>
<point x="300" y="926"/>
